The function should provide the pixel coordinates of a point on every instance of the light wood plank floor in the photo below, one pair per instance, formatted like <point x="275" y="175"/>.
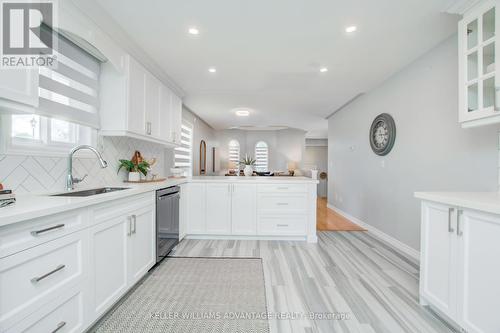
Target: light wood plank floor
<point x="347" y="272"/>
<point x="327" y="219"/>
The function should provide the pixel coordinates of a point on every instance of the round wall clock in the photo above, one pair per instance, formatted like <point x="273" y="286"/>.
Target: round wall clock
<point x="382" y="134"/>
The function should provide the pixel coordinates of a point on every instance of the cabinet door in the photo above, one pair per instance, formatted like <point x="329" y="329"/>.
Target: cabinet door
<point x="109" y="246"/>
<point x="479" y="271"/>
<point x="438" y="269"/>
<point x="244" y="209"/>
<point x="478" y="72"/>
<point x="218" y="198"/>
<point x="176" y="118"/>
<point x="142" y="248"/>
<point x="183" y="211"/>
<point x="136" y="97"/>
<point x="196" y="209"/>
<point x="152" y="97"/>
<point x="19" y="85"/>
<point x="165" y="121"/>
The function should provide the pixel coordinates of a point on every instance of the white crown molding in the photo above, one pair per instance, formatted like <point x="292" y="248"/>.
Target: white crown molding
<point x="414" y="254"/>
<point x="106" y="23"/>
<point x="460" y="6"/>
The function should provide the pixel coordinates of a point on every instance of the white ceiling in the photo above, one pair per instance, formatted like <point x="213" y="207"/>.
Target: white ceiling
<point x="268" y="53"/>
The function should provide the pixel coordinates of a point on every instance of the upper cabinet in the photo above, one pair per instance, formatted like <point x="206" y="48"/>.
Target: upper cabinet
<point x="136" y="104"/>
<point x="478" y="70"/>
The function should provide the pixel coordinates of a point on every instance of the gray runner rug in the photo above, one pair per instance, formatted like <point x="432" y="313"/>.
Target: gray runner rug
<point x="194" y="295"/>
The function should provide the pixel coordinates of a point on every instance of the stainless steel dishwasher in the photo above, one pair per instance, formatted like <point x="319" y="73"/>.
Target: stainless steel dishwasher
<point x="167" y="220"/>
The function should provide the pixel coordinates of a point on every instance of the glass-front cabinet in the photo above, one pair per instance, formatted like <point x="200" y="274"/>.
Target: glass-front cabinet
<point x="479" y="91"/>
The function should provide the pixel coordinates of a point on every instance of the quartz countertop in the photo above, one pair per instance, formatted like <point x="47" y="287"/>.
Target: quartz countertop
<point x="30" y="206"/>
<point x="483" y="201"/>
<point x="255" y="179"/>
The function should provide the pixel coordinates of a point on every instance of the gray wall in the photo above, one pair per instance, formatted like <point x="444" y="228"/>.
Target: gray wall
<point x="284" y="146"/>
<point x="432" y="152"/>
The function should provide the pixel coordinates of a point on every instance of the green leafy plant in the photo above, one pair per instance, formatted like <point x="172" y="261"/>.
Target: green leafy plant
<point x="141" y="167"/>
<point x="247" y="161"/>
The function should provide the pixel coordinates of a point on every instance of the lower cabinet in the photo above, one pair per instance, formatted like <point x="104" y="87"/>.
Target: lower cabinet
<point x="244" y="209"/>
<point x="66" y="283"/>
<point x="459" y="275"/>
<point x="196" y="216"/>
<point x="218" y="201"/>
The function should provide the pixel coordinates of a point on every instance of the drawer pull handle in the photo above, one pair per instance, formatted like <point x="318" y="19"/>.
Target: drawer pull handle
<point x="40" y="278"/>
<point x="59" y="326"/>
<point x="134" y="217"/>
<point x="38" y="232"/>
<point x="282" y="203"/>
<point x="282" y="188"/>
<point x="282" y="225"/>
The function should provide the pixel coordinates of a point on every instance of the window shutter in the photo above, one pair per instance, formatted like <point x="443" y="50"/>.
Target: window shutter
<point x="261" y="157"/>
<point x="234" y="152"/>
<point x="71" y="90"/>
<point x="183" y="154"/>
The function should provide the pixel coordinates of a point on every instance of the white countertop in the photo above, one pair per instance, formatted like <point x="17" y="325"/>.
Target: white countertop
<point x="483" y="201"/>
<point x="255" y="179"/>
<point x="30" y="206"/>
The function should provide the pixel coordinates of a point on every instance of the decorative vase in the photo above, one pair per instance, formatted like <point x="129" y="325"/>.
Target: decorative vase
<point x="248" y="171"/>
<point x="134" y="176"/>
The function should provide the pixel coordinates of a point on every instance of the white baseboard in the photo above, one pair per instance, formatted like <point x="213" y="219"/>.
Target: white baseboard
<point x="414" y="254"/>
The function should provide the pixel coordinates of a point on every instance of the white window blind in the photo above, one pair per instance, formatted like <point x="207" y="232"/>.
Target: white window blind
<point x="70" y="91"/>
<point x="183" y="157"/>
<point x="234" y="152"/>
<point x="261" y="156"/>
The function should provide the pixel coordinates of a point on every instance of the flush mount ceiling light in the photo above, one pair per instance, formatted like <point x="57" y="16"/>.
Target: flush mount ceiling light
<point x="242" y="113"/>
<point x="212" y="69"/>
<point x="194" y="31"/>
<point x="323" y="69"/>
<point x="351" y="29"/>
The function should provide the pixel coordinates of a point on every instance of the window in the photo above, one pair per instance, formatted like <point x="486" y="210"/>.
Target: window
<point x="261" y="156"/>
<point x="67" y="114"/>
<point x="183" y="155"/>
<point x="234" y="152"/>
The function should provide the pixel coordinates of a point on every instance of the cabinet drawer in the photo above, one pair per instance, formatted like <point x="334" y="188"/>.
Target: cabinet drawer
<point x="64" y="314"/>
<point x="282" y="188"/>
<point x="121" y="207"/>
<point x="271" y="203"/>
<point x="279" y="225"/>
<point x="21" y="236"/>
<point x="33" y="277"/>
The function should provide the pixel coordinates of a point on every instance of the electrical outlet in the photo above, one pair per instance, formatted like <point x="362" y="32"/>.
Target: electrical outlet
<point x="382" y="163"/>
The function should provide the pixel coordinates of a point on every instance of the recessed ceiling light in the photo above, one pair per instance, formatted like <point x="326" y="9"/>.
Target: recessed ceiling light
<point x="212" y="69"/>
<point x="242" y="113"/>
<point x="351" y="29"/>
<point x="194" y="31"/>
<point x="323" y="69"/>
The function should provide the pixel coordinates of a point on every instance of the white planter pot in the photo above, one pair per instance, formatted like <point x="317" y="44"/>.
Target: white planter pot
<point x="134" y="176"/>
<point x="248" y="171"/>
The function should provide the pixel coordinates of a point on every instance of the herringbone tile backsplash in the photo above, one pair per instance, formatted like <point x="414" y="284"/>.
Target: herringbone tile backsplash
<point x="38" y="174"/>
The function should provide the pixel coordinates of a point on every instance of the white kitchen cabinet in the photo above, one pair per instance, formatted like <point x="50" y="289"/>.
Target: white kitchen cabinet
<point x="459" y="276"/>
<point x="176" y="119"/>
<point x="196" y="209"/>
<point x="438" y="255"/>
<point x="478" y="271"/>
<point x="142" y="244"/>
<point x="218" y="209"/>
<point x="18" y="87"/>
<point x="136" y="104"/>
<point x="478" y="69"/>
<point x="183" y="211"/>
<point x="109" y="246"/>
<point x="136" y="98"/>
<point x="244" y="209"/>
<point x="152" y="106"/>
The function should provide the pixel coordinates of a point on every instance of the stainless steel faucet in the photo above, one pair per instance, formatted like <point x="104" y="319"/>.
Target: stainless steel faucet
<point x="70" y="180"/>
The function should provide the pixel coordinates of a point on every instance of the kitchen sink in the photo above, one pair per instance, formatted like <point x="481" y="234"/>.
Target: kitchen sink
<point x="88" y="193"/>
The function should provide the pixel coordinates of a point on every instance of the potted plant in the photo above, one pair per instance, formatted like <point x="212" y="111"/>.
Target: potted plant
<point x="248" y="162"/>
<point x="134" y="169"/>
